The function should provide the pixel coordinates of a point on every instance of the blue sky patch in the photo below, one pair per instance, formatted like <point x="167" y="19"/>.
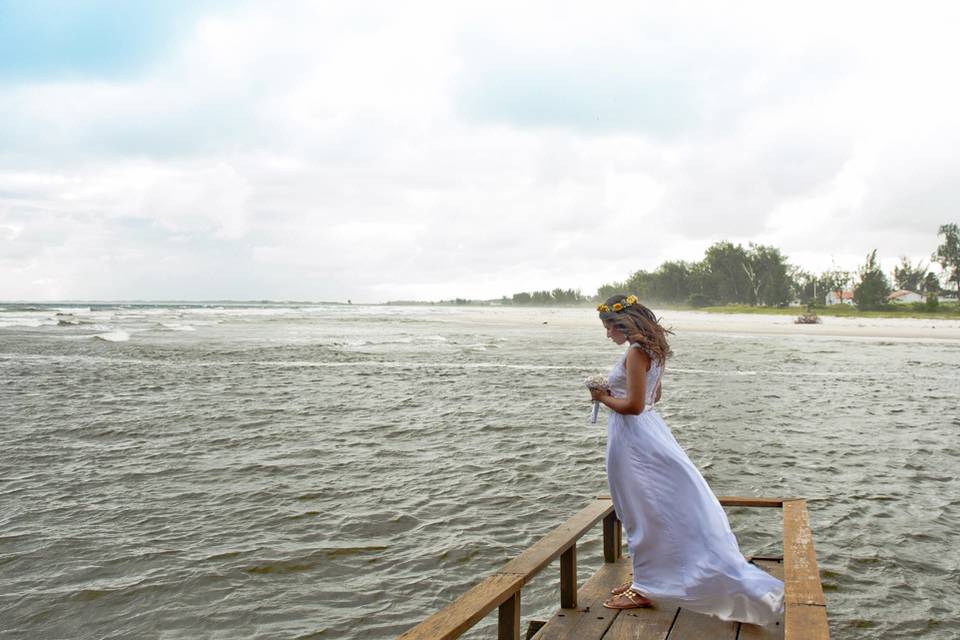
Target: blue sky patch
<point x="54" y="39"/>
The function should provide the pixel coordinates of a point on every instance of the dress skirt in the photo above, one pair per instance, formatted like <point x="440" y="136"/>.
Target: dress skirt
<point x="682" y="549"/>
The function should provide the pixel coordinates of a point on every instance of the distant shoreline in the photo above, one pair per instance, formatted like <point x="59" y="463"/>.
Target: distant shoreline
<point x="948" y="310"/>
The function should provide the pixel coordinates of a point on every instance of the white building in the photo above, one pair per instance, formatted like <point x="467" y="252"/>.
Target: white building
<point x="846" y="297"/>
<point x="902" y="296"/>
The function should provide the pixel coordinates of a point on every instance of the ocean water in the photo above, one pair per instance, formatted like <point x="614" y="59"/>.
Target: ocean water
<point x="269" y="471"/>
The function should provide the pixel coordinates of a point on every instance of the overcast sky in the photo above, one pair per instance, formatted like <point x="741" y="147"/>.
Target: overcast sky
<point x="398" y="150"/>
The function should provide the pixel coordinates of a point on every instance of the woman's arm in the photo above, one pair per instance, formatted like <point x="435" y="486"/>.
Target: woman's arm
<point x="637" y="364"/>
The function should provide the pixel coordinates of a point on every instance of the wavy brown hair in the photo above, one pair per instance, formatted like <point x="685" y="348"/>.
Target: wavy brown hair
<point x="639" y="324"/>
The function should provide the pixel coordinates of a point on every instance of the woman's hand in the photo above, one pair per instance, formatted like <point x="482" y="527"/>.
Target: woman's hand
<point x="598" y="394"/>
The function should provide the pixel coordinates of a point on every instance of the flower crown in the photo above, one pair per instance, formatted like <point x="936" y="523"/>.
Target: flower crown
<point x="618" y="306"/>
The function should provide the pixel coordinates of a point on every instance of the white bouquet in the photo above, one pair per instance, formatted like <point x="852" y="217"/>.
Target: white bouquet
<point x="598" y="381"/>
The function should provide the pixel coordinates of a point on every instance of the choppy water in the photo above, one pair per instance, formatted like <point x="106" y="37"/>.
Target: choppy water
<point x="340" y="472"/>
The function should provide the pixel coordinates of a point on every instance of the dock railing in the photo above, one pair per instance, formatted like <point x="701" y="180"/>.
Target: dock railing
<point x="805" y="616"/>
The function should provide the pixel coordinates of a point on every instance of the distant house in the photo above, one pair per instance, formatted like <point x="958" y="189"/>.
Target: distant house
<point x="846" y="297"/>
<point x="902" y="296"/>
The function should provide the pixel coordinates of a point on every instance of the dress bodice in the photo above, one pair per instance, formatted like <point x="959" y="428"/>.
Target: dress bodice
<point x="618" y="379"/>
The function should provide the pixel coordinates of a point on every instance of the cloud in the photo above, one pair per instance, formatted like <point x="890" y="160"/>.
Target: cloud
<point x="431" y="150"/>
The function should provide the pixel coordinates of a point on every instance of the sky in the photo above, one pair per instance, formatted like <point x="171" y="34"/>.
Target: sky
<point x="374" y="151"/>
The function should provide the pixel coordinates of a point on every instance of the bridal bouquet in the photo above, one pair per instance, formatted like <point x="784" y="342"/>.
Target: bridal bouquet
<point x="598" y="381"/>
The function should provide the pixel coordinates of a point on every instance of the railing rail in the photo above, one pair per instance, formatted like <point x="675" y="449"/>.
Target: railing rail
<point x="502" y="589"/>
<point x="805" y="616"/>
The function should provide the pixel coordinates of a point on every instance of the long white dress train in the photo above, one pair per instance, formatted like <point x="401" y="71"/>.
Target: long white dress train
<point x="680" y="542"/>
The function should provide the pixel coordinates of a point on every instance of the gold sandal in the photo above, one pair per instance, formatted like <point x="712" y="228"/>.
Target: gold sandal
<point x="628" y="599"/>
<point x="618" y="590"/>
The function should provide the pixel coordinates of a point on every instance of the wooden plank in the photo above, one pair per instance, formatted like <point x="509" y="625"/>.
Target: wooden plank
<point x="612" y="538"/>
<point x="590" y="620"/>
<point x="770" y="632"/>
<point x="533" y="626"/>
<point x="805" y="622"/>
<point x="643" y="624"/>
<point x="740" y="501"/>
<point x="568" y="578"/>
<point x="508" y="619"/>
<point x="801" y="576"/>
<point x="464" y="612"/>
<point x="690" y="625"/>
<point x="533" y="560"/>
<point x="773" y="566"/>
<point x="805" y="613"/>
<point x="749" y="501"/>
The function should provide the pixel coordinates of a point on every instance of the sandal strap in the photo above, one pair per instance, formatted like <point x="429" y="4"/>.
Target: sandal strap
<point x="633" y="596"/>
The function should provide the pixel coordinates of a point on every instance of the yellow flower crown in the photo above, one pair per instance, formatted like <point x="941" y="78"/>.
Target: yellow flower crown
<point x="618" y="306"/>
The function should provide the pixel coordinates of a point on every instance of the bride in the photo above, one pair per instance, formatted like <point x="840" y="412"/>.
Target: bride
<point x="681" y="546"/>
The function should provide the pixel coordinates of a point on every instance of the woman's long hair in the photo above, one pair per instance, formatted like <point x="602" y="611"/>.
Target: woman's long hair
<point x="639" y="324"/>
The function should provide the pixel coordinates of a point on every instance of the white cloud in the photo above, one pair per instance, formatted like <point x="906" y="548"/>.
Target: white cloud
<point x="437" y="150"/>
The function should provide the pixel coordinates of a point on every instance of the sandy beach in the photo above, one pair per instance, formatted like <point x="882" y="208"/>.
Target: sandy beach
<point x="744" y="324"/>
<point x="887" y="328"/>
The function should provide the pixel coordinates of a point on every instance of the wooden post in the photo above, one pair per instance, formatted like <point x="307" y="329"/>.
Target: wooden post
<point x="568" y="578"/>
<point x="508" y="623"/>
<point x="612" y="542"/>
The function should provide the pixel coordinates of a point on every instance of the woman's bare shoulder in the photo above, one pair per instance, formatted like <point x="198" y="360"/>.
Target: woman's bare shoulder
<point x="637" y="354"/>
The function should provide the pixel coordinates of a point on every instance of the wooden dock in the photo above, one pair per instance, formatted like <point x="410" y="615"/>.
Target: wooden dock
<point x="582" y="616"/>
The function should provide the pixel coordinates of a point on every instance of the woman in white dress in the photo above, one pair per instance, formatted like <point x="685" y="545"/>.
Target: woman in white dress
<point x="681" y="546"/>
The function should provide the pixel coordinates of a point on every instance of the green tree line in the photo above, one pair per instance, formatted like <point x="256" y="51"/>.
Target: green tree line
<point x="760" y="275"/>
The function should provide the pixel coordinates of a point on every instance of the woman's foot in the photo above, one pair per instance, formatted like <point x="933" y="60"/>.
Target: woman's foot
<point x="628" y="599"/>
<point x="618" y="590"/>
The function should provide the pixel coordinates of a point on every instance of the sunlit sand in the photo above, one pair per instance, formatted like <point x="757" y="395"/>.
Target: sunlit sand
<point x="747" y="324"/>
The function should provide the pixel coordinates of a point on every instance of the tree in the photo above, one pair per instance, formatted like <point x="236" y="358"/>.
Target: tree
<point x="541" y="297"/>
<point x="610" y="289"/>
<point x="639" y="284"/>
<point x="931" y="283"/>
<point x="909" y="277"/>
<point x="804" y="286"/>
<point x="728" y="280"/>
<point x="947" y="254"/>
<point x="671" y="282"/>
<point x="872" y="290"/>
<point x="766" y="269"/>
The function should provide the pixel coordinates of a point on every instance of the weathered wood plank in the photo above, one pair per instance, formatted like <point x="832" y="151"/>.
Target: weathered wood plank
<point x="508" y="619"/>
<point x="542" y="553"/>
<point x="464" y="612"/>
<point x="754" y="632"/>
<point x="739" y="501"/>
<point x="749" y="501"/>
<point x="770" y="632"/>
<point x="590" y="620"/>
<point x="773" y="566"/>
<point x="690" y="625"/>
<point x="805" y="613"/>
<point x="643" y="624"/>
<point x="805" y="622"/>
<point x="801" y="576"/>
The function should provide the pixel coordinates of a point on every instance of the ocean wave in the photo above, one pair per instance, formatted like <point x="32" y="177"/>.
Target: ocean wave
<point x="177" y="327"/>
<point x="27" y="323"/>
<point x="112" y="336"/>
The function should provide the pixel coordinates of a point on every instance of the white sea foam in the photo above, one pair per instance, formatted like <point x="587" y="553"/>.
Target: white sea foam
<point x="24" y="322"/>
<point x="113" y="336"/>
<point x="178" y="327"/>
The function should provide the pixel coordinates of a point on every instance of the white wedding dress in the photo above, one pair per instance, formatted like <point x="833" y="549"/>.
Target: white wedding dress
<point x="680" y="542"/>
